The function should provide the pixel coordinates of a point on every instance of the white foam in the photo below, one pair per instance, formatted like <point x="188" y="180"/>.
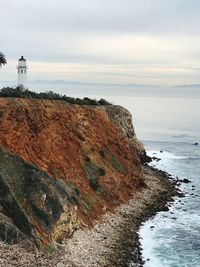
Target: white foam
<point x="168" y="225"/>
<point x="163" y="155"/>
<point x="149" y="236"/>
<point x="148" y="244"/>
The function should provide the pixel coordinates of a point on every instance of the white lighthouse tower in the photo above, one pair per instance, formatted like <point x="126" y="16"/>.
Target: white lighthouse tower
<point x="22" y="69"/>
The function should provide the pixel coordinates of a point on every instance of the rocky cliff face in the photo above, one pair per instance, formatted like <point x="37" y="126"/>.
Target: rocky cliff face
<point x="63" y="166"/>
<point x="122" y="119"/>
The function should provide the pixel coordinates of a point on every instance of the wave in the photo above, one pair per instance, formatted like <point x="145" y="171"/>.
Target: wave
<point x="164" y="155"/>
<point x="169" y="236"/>
<point x="179" y="143"/>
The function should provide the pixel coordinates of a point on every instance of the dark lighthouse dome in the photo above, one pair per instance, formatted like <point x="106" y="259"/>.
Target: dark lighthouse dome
<point x="22" y="58"/>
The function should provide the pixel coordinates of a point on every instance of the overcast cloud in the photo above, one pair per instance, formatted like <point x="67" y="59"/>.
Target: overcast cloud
<point x="103" y="41"/>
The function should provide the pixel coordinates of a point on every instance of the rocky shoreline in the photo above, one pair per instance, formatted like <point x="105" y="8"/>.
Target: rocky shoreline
<point x="112" y="242"/>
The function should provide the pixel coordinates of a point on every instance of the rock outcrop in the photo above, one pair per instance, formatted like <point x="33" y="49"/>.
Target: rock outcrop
<point x="63" y="166"/>
<point x="122" y="119"/>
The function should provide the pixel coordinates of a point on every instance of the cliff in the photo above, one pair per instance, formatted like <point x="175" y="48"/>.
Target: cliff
<point x="63" y="166"/>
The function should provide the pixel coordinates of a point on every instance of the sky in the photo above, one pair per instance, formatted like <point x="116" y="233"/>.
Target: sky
<point x="150" y="42"/>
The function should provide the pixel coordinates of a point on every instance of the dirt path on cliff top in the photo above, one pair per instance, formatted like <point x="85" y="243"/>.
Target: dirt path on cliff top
<point x="112" y="242"/>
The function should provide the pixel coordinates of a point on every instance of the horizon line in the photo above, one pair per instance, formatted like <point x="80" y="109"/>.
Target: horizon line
<point x="106" y="84"/>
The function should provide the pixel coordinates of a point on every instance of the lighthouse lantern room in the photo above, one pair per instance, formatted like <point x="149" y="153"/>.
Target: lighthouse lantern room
<point x="22" y="71"/>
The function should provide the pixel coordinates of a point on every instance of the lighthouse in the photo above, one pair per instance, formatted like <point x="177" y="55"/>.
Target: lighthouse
<point x="22" y="69"/>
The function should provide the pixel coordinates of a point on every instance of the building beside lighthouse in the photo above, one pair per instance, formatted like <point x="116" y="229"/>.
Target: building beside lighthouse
<point x="22" y="72"/>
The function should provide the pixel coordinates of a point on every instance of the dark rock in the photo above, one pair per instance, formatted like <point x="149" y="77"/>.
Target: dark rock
<point x="156" y="159"/>
<point x="28" y="198"/>
<point x="142" y="184"/>
<point x="12" y="209"/>
<point x="186" y="181"/>
<point x="144" y="158"/>
<point x="166" y="208"/>
<point x="9" y="233"/>
<point x="181" y="195"/>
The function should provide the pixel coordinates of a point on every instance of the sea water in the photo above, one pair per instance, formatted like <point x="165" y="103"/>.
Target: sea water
<point x="172" y="239"/>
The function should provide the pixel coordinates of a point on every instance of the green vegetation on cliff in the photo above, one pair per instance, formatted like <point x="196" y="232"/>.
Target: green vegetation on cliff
<point x="28" y="194"/>
<point x="93" y="174"/>
<point x="19" y="92"/>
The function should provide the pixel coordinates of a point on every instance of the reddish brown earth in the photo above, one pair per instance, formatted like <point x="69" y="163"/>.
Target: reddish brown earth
<point x="73" y="144"/>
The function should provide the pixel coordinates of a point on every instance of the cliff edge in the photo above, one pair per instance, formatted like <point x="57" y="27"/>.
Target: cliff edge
<point x="63" y="166"/>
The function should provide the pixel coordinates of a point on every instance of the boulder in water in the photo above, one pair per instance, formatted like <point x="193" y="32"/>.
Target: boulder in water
<point x="186" y="181"/>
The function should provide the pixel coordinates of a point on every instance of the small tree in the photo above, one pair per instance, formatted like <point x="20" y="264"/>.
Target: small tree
<point x="2" y="59"/>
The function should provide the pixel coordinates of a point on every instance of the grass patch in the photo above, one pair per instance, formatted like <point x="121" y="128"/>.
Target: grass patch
<point x="50" y="249"/>
<point x="72" y="185"/>
<point x="117" y="164"/>
<point x="73" y="201"/>
<point x="19" y="196"/>
<point x="88" y="202"/>
<point x="108" y="157"/>
<point x="93" y="174"/>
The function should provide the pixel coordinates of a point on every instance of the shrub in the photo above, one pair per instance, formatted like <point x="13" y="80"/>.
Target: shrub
<point x="20" y="92"/>
<point x="88" y="202"/>
<point x="93" y="173"/>
<point x="117" y="164"/>
<point x="50" y="249"/>
<point x="113" y="160"/>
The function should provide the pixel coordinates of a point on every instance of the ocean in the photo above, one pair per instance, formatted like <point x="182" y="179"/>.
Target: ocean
<point x="172" y="239"/>
<point x="166" y="120"/>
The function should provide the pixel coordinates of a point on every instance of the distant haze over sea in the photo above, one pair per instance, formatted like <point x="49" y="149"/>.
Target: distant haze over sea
<point x="81" y="89"/>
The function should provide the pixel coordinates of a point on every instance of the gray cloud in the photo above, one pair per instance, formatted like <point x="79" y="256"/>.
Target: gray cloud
<point x="102" y="15"/>
<point x="90" y="31"/>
